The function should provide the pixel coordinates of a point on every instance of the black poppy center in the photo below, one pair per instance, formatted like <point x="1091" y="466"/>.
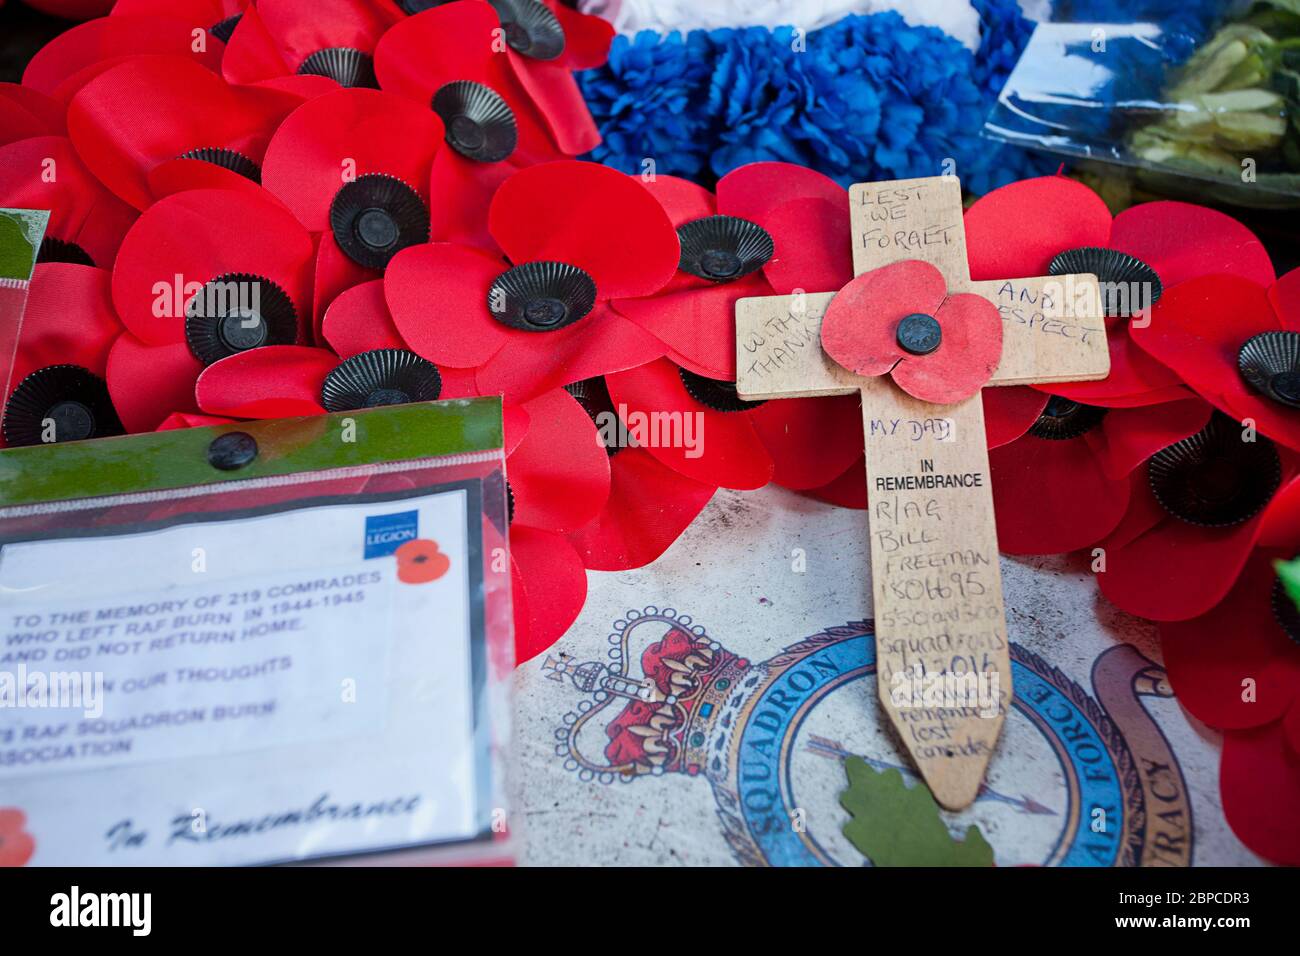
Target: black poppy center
<point x="59" y="403"/>
<point x="717" y="394"/>
<point x="236" y="312"/>
<point x="344" y="65"/>
<point x="919" y="334"/>
<point x="531" y="29"/>
<point x="1215" y="478"/>
<point x="377" y="229"/>
<point x="226" y="158"/>
<point x="1064" y="419"/>
<point x="1128" y="285"/>
<point x="242" y="330"/>
<point x="223" y="30"/>
<point x="721" y="263"/>
<point x="378" y="378"/>
<point x="466" y="133"/>
<point x="60" y="250"/>
<point x="73" y="420"/>
<point x="386" y="396"/>
<point x="723" y="248"/>
<point x="376" y="216"/>
<point x="1270" y="364"/>
<point x="541" y="296"/>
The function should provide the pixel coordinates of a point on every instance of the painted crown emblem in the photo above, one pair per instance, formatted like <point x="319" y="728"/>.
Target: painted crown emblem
<point x="659" y="704"/>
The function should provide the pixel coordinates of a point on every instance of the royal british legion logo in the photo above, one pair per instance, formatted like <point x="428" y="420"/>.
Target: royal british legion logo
<point x="386" y="533"/>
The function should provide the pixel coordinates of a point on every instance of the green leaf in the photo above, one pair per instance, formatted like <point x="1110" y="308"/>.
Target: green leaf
<point x="897" y="825"/>
<point x="1289" y="572"/>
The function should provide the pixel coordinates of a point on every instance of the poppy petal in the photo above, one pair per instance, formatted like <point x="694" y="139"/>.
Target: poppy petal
<point x="252" y="53"/>
<point x="358" y="321"/>
<point x="754" y="190"/>
<point x="177" y="420"/>
<point x="1281" y="527"/>
<point x="811" y="440"/>
<point x="1135" y="378"/>
<point x="343" y="135"/>
<point x="335" y="274"/>
<point x="161" y="262"/>
<point x="649" y="507"/>
<point x="529" y="363"/>
<point x="150" y="382"/>
<point x="683" y="200"/>
<point x="725" y="449"/>
<point x="1173" y="571"/>
<point x="587" y="37"/>
<point x="149" y="110"/>
<point x="438" y="294"/>
<point x="304" y="27"/>
<point x="1009" y="412"/>
<point x="69" y="319"/>
<point x="25" y="112"/>
<point x="550" y="587"/>
<point x="1188" y="334"/>
<point x="813" y="252"/>
<point x="849" y="490"/>
<point x="45" y="172"/>
<point x="1182" y="241"/>
<point x="1127" y="437"/>
<point x="971" y="351"/>
<point x="558" y="99"/>
<point x="1038" y="485"/>
<point x="182" y="175"/>
<point x="589" y="216"/>
<point x="1210" y="659"/>
<point x="559" y="471"/>
<point x="697" y="322"/>
<point x="1259" y="783"/>
<point x="73" y="58"/>
<point x="275" y="381"/>
<point x="462" y="192"/>
<point x="1017" y="231"/>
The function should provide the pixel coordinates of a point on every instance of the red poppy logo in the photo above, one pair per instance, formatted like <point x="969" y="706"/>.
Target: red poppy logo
<point x="900" y="320"/>
<point x="420" y="561"/>
<point x="16" y="844"/>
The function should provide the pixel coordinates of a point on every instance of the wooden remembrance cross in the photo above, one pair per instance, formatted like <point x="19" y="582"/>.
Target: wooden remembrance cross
<point x="937" y="586"/>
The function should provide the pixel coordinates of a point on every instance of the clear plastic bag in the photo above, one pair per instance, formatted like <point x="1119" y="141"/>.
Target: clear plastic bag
<point x="1206" y="107"/>
<point x="289" y="651"/>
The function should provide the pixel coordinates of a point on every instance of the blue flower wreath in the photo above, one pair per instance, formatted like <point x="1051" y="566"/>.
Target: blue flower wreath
<point x="868" y="97"/>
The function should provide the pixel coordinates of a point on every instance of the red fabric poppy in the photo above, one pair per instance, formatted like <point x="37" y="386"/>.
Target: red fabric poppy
<point x="799" y="443"/>
<point x="16" y="844"/>
<point x="454" y="43"/>
<point x="202" y="14"/>
<point x="248" y="237"/>
<point x="25" y="112"/>
<point x="1065" y="485"/>
<point x="162" y="117"/>
<point x="45" y="172"/>
<point x="191" y="420"/>
<point x="1178" y="241"/>
<point x="695" y="317"/>
<point x="595" y="226"/>
<point x="650" y="506"/>
<point x="1164" y="568"/>
<point x="1259" y="784"/>
<point x="278" y="38"/>
<point x="866" y="326"/>
<point x="1190" y="335"/>
<point x="559" y="480"/>
<point x="72" y="59"/>
<point x="345" y="141"/>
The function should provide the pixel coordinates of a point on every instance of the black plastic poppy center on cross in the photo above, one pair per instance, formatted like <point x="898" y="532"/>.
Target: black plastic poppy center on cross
<point x="541" y="296"/>
<point x="1219" y="477"/>
<point x="1063" y="419"/>
<point x="1270" y="364"/>
<point x="919" y="334"/>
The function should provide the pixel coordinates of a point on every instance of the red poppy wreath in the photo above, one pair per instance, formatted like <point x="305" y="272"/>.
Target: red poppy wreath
<point x="400" y="181"/>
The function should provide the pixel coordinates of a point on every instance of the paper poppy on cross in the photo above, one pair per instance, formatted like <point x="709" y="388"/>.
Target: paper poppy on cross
<point x="918" y="339"/>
